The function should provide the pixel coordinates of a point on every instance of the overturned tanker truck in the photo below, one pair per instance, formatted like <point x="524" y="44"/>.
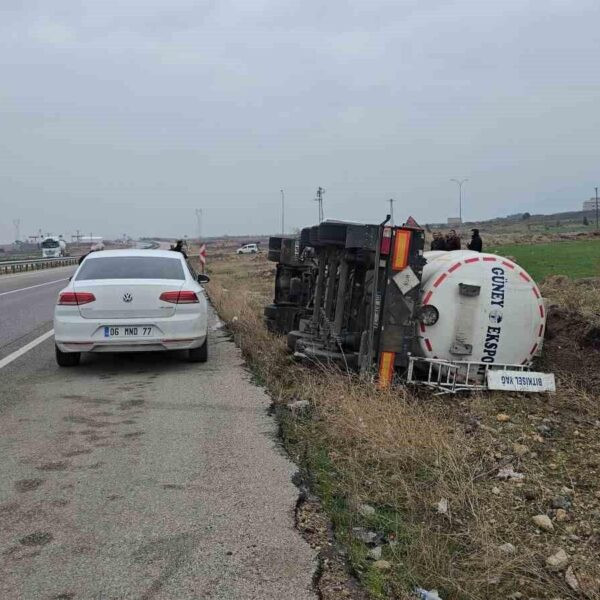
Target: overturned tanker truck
<point x="368" y="298"/>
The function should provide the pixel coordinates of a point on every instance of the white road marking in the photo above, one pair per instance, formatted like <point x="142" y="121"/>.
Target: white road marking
<point x="26" y="348"/>
<point x="32" y="286"/>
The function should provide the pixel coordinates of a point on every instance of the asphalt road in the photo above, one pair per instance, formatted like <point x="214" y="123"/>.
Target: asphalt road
<point x="139" y="476"/>
<point x="26" y="305"/>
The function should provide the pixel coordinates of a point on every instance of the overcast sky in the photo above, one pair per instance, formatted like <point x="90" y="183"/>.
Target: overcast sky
<point x="126" y="116"/>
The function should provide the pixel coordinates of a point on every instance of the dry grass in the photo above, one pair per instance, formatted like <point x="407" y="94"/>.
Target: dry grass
<point x="582" y="295"/>
<point x="402" y="452"/>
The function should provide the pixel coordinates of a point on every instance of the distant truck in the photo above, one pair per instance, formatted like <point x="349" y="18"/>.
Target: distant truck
<point x="54" y="247"/>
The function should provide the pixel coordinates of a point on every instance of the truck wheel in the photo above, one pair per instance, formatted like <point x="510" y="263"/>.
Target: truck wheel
<point x="67" y="359"/>
<point x="292" y="338"/>
<point x="199" y="354"/>
<point x="332" y="233"/>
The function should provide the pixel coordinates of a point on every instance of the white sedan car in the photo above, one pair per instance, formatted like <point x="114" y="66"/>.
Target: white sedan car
<point x="131" y="301"/>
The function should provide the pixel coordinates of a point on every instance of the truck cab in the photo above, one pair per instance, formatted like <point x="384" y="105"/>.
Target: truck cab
<point x="53" y="247"/>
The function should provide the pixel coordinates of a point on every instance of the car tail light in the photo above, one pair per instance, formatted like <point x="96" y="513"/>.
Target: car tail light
<point x="180" y="297"/>
<point x="75" y="298"/>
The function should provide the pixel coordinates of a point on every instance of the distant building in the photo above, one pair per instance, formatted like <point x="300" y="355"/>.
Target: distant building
<point x="591" y="204"/>
<point x="454" y="221"/>
<point x="89" y="239"/>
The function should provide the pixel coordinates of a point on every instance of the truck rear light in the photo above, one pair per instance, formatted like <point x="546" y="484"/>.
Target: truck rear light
<point x="386" y="369"/>
<point x="386" y="241"/>
<point x="75" y="298"/>
<point x="401" y="248"/>
<point x="180" y="297"/>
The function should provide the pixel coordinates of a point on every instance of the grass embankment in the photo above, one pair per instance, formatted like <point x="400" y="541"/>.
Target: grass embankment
<point x="574" y="259"/>
<point x="402" y="452"/>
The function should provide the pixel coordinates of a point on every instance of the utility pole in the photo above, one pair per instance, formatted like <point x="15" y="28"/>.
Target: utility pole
<point x="460" y="184"/>
<point x="17" y="224"/>
<point x="391" y="201"/>
<point x="319" y="199"/>
<point x="282" y="212"/>
<point x="596" y="208"/>
<point x="199" y="220"/>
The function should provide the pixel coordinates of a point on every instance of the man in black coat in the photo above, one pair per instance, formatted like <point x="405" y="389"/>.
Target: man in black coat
<point x="438" y="242"/>
<point x="452" y="240"/>
<point x="476" y="242"/>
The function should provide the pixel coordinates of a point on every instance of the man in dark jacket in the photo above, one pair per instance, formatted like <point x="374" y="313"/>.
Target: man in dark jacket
<point x="476" y="242"/>
<point x="178" y="247"/>
<point x="438" y="242"/>
<point x="452" y="241"/>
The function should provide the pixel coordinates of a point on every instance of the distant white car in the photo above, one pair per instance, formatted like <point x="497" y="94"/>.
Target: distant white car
<point x="131" y="301"/>
<point x="248" y="249"/>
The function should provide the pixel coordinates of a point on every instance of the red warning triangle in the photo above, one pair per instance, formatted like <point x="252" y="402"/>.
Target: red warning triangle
<point x="410" y="222"/>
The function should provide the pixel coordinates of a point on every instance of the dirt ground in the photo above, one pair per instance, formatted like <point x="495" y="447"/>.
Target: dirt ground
<point x="482" y="496"/>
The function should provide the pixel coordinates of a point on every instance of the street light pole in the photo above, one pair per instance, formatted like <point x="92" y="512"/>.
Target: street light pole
<point x="460" y="184"/>
<point x="199" y="221"/>
<point x="282" y="213"/>
<point x="319" y="200"/>
<point x="391" y="201"/>
<point x="596" y="208"/>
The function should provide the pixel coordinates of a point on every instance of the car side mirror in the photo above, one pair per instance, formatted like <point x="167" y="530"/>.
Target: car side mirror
<point x="203" y="278"/>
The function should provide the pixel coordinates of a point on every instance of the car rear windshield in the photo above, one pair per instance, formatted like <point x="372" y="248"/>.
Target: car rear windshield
<point x="131" y="267"/>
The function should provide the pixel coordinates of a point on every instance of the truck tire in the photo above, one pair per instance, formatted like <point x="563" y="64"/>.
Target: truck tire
<point x="292" y="338"/>
<point x="66" y="359"/>
<point x="313" y="236"/>
<point x="305" y="238"/>
<point x="332" y="233"/>
<point x="275" y="242"/>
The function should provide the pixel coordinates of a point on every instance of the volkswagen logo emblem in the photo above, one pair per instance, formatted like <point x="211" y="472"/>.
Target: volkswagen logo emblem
<point x="127" y="297"/>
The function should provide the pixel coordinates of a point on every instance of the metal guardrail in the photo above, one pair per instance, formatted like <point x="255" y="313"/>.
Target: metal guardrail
<point x="21" y="266"/>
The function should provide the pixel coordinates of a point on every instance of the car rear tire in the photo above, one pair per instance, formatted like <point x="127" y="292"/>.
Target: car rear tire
<point x="67" y="359"/>
<point x="199" y="354"/>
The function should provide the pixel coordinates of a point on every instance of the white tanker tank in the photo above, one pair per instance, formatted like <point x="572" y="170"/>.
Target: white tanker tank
<point x="479" y="308"/>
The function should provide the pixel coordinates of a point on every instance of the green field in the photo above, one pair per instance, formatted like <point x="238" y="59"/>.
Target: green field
<point x="575" y="259"/>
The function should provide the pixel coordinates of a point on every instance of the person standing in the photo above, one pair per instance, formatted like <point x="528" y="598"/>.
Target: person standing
<point x="438" y="242"/>
<point x="452" y="241"/>
<point x="476" y="243"/>
<point x="178" y="247"/>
